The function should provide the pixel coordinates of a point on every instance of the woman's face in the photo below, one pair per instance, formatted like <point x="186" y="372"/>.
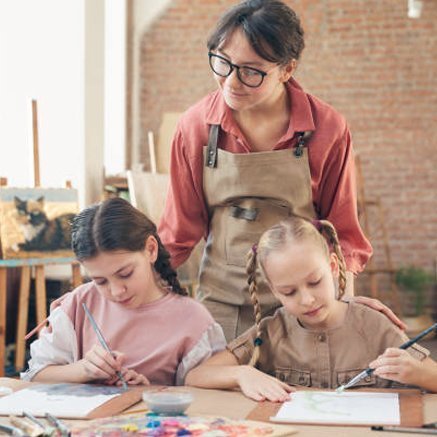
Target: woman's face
<point x="238" y="96"/>
<point x="126" y="277"/>
<point x="302" y="278"/>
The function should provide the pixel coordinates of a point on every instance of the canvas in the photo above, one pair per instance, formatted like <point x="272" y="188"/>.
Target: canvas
<point x="36" y="222"/>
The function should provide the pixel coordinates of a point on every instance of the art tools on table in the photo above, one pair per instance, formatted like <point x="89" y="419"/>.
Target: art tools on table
<point x="28" y="427"/>
<point x="369" y="370"/>
<point x="102" y="341"/>
<point x="12" y="430"/>
<point x="430" y="429"/>
<point x="60" y="426"/>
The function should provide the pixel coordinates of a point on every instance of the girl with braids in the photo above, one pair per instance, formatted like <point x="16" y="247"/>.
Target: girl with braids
<point x="156" y="332"/>
<point x="315" y="339"/>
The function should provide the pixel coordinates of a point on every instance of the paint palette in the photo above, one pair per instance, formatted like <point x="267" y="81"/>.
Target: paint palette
<point x="170" y="403"/>
<point x="173" y="426"/>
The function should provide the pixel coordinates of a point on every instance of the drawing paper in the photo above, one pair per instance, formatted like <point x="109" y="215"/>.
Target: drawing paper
<point x="341" y="408"/>
<point x="60" y="400"/>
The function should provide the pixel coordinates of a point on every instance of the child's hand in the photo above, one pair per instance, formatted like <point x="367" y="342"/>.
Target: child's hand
<point x="260" y="386"/>
<point x="131" y="377"/>
<point x="100" y="364"/>
<point x="397" y="365"/>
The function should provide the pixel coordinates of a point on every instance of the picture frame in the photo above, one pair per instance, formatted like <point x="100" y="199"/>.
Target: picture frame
<point x="36" y="222"/>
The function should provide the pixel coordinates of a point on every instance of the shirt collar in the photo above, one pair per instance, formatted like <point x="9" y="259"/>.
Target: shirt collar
<point x="301" y="119"/>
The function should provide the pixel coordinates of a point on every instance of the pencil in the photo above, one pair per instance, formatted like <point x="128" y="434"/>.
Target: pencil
<point x="36" y="329"/>
<point x="369" y="370"/>
<point x="102" y="341"/>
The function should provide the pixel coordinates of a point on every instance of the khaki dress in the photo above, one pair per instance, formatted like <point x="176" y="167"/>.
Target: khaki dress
<point x="323" y="359"/>
<point x="246" y="194"/>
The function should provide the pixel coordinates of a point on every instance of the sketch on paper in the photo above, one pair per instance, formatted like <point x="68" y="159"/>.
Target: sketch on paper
<point x="36" y="222"/>
<point x="363" y="408"/>
<point x="61" y="400"/>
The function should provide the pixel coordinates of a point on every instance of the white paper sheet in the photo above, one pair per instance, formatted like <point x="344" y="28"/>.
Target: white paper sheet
<point x="340" y="408"/>
<point x="60" y="400"/>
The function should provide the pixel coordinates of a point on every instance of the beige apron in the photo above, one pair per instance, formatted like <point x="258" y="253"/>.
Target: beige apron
<point x="246" y="194"/>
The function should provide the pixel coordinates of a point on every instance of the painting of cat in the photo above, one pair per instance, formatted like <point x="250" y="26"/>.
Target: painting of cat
<point x="39" y="232"/>
<point x="36" y="222"/>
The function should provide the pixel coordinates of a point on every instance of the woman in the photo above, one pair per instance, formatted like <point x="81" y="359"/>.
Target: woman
<point x="253" y="152"/>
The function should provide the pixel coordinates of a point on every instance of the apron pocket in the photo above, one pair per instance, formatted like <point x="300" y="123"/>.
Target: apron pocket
<point x="246" y="221"/>
<point x="344" y="376"/>
<point x="294" y="377"/>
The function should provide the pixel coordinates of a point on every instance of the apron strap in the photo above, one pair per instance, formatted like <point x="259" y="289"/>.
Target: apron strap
<point x="301" y="142"/>
<point x="211" y="150"/>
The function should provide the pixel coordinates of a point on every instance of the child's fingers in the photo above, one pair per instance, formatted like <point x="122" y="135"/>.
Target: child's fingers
<point x="102" y="359"/>
<point x="133" y="378"/>
<point x="109" y="357"/>
<point x="119" y="357"/>
<point x="94" y="371"/>
<point x="287" y="388"/>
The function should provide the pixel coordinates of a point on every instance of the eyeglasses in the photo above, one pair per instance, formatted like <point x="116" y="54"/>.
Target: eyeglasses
<point x="248" y="76"/>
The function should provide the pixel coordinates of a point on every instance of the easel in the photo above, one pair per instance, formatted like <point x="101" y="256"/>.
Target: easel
<point x="365" y="205"/>
<point x="25" y="276"/>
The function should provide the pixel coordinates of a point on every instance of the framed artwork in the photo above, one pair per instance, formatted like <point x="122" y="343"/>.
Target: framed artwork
<point x="36" y="222"/>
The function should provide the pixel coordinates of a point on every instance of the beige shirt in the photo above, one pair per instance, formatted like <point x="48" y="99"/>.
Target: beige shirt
<point x="325" y="359"/>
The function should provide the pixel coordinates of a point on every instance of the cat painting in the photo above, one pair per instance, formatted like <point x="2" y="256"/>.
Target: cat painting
<point x="40" y="233"/>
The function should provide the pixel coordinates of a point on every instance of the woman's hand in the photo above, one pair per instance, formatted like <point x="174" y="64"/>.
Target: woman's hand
<point x="99" y="364"/>
<point x="260" y="386"/>
<point x="397" y="365"/>
<point x="379" y="306"/>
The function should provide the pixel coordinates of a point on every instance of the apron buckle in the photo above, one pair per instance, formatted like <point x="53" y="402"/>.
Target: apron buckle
<point x="249" y="214"/>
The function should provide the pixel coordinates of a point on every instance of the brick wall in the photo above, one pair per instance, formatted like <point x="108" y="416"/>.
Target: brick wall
<point x="367" y="59"/>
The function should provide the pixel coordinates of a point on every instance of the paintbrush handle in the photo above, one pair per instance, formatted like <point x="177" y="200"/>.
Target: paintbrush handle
<point x="102" y="341"/>
<point x="409" y="343"/>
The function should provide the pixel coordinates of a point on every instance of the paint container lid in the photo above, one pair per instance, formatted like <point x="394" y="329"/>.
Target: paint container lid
<point x="168" y="402"/>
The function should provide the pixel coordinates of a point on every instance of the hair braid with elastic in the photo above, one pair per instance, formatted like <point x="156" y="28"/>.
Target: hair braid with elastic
<point x="251" y="280"/>
<point x="329" y="230"/>
<point x="166" y="271"/>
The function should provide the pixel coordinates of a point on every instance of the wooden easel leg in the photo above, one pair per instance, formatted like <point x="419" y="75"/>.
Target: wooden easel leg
<point x="76" y="275"/>
<point x="23" y="312"/>
<point x="40" y="292"/>
<point x="3" y="293"/>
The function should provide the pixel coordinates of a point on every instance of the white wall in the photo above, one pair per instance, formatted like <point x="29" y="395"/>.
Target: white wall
<point x="41" y="57"/>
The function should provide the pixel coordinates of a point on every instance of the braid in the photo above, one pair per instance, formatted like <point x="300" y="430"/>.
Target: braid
<point x="331" y="233"/>
<point x="163" y="267"/>
<point x="251" y="280"/>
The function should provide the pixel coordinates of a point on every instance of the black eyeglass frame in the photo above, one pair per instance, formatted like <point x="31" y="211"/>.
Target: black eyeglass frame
<point x="236" y="67"/>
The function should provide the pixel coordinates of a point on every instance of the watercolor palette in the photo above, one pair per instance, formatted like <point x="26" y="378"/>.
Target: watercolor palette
<point x="173" y="426"/>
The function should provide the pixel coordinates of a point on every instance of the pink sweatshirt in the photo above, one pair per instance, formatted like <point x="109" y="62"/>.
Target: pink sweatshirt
<point x="161" y="340"/>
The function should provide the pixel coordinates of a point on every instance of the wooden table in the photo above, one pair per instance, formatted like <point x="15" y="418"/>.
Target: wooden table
<point x="234" y="405"/>
<point x="26" y="265"/>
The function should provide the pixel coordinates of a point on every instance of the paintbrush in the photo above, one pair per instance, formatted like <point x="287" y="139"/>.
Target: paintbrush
<point x="102" y="341"/>
<point x="37" y="328"/>
<point x="369" y="370"/>
<point x="29" y="428"/>
<point x="60" y="426"/>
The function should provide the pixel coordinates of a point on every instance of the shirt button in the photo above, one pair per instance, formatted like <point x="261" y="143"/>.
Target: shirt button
<point x="325" y="384"/>
<point x="321" y="338"/>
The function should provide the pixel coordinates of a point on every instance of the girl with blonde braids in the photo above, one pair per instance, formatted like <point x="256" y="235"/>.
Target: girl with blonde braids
<point x="315" y="339"/>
